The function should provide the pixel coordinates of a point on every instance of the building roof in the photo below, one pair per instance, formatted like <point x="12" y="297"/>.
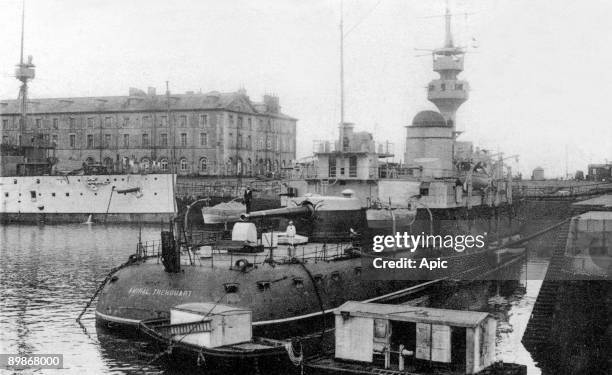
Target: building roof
<point x="429" y="119"/>
<point x="139" y="101"/>
<point x="455" y="318"/>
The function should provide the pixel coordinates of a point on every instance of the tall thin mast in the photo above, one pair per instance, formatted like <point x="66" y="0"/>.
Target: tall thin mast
<point x="341" y="133"/>
<point x="24" y="73"/>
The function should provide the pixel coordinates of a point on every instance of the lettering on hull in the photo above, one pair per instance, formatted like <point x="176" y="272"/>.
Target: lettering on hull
<point x="160" y="292"/>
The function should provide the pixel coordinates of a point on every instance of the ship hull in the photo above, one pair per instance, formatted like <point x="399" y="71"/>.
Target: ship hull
<point x="100" y="198"/>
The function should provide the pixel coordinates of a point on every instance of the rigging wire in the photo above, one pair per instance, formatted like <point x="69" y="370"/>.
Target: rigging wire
<point x="363" y="18"/>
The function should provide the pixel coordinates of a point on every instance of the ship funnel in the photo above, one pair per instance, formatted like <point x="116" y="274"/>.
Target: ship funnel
<point x="305" y="210"/>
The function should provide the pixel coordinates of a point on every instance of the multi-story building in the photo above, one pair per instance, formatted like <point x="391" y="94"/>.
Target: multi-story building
<point x="204" y="133"/>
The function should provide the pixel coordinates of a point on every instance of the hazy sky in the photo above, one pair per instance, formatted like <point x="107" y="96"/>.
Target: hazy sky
<point x="540" y="76"/>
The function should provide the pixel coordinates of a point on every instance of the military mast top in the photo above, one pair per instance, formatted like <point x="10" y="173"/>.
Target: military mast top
<point x="24" y="73"/>
<point x="448" y="92"/>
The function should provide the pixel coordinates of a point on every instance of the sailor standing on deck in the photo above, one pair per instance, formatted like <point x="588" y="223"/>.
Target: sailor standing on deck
<point x="291" y="236"/>
<point x="248" y="196"/>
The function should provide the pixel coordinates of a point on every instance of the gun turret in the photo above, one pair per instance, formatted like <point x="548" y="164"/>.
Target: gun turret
<point x="304" y="210"/>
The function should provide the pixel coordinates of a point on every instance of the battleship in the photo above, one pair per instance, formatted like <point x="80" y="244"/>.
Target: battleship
<point x="33" y="191"/>
<point x="341" y="201"/>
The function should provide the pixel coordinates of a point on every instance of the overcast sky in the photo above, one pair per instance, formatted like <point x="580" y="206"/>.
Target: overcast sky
<point x="540" y="75"/>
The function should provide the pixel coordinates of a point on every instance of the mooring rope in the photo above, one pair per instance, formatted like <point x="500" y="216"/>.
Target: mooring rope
<point x="294" y="358"/>
<point x="130" y="261"/>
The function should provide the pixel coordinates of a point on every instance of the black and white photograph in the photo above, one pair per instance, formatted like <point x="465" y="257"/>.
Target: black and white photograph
<point x="384" y="187"/>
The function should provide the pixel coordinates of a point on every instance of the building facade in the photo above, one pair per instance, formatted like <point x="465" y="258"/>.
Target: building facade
<point x="204" y="133"/>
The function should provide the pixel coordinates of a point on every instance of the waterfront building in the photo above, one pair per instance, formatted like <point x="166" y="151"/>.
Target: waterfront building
<point x="204" y="133"/>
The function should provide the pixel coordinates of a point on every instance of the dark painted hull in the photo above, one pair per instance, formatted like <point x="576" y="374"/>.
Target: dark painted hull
<point x="296" y="296"/>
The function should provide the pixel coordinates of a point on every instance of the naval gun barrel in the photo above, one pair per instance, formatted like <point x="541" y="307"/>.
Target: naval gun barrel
<point x="304" y="210"/>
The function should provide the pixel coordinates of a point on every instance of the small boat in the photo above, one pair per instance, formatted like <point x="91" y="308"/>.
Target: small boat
<point x="216" y="336"/>
<point x="225" y="212"/>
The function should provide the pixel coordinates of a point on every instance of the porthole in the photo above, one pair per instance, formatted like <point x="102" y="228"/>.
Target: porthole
<point x="263" y="285"/>
<point x="154" y="193"/>
<point x="38" y="180"/>
<point x="123" y="179"/>
<point x="78" y="180"/>
<point x="95" y="193"/>
<point x="67" y="194"/>
<point x="81" y="193"/>
<point x="298" y="282"/>
<point x="53" y="194"/>
<point x="231" y="287"/>
<point x="114" y="179"/>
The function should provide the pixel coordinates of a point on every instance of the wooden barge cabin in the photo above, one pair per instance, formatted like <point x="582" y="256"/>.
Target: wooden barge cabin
<point x="374" y="338"/>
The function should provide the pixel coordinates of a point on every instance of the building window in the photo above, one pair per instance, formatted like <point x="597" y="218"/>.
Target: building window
<point x="126" y="122"/>
<point x="432" y="87"/>
<point x="353" y="166"/>
<point x="145" y="164"/>
<point x="183" y="139"/>
<point x="231" y="119"/>
<point x="443" y="86"/>
<point x="163" y="120"/>
<point x="145" y="140"/>
<point x="107" y="140"/>
<point x="203" y="139"/>
<point x="459" y="86"/>
<point x="250" y="123"/>
<point x="183" y="121"/>
<point x="164" y="164"/>
<point x="248" y="145"/>
<point x="239" y="141"/>
<point x="183" y="165"/>
<point x="38" y="123"/>
<point x="203" y="164"/>
<point x="90" y="141"/>
<point x="90" y="122"/>
<point x="146" y="121"/>
<point x="163" y="140"/>
<point x="239" y="122"/>
<point x="55" y="123"/>
<point x="54" y="139"/>
<point x="72" y="122"/>
<point x="72" y="140"/>
<point x="126" y="140"/>
<point x="5" y="124"/>
<point x="108" y="122"/>
<point x="203" y="120"/>
<point x="332" y="167"/>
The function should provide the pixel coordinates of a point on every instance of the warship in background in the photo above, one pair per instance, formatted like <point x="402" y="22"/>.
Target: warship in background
<point x="444" y="183"/>
<point x="31" y="191"/>
<point x="292" y="288"/>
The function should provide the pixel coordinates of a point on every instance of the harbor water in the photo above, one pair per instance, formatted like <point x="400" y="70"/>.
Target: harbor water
<point x="48" y="274"/>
